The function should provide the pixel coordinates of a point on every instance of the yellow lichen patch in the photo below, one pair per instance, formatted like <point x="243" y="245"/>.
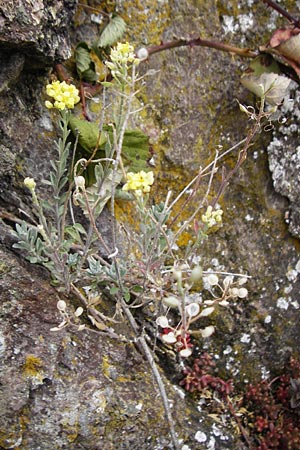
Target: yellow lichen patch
<point x="184" y="239"/>
<point x="32" y="366"/>
<point x="106" y="367"/>
<point x="146" y="20"/>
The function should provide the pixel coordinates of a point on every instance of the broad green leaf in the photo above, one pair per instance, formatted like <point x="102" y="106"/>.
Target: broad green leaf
<point x="135" y="150"/>
<point x="88" y="133"/>
<point x="263" y="64"/>
<point x="84" y="64"/>
<point x="114" y="290"/>
<point x="112" y="33"/>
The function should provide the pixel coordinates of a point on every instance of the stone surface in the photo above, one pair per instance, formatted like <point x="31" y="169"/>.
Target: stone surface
<point x="36" y="29"/>
<point x="85" y="391"/>
<point x="284" y="159"/>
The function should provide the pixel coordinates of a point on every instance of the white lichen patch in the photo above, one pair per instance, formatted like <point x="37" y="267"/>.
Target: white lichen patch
<point x="200" y="436"/>
<point x="245" y="21"/>
<point x="268" y="319"/>
<point x="240" y="24"/>
<point x="245" y="338"/>
<point x="282" y="303"/>
<point x="2" y="346"/>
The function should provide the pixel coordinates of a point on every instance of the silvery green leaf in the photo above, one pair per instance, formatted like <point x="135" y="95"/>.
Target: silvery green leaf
<point x="207" y="311"/>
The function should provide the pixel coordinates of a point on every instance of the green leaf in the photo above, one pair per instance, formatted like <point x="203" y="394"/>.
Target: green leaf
<point x="112" y="33"/>
<point x="135" y="150"/>
<point x="79" y="228"/>
<point x="107" y="83"/>
<point x="263" y="64"/>
<point x="114" y="290"/>
<point x="84" y="64"/>
<point x="127" y="296"/>
<point x="88" y="133"/>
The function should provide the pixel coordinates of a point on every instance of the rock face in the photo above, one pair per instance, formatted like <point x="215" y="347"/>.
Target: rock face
<point x="83" y="390"/>
<point x="284" y="160"/>
<point x="36" y="30"/>
<point x="70" y="390"/>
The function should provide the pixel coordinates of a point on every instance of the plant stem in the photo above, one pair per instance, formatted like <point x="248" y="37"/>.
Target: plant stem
<point x="283" y="12"/>
<point x="149" y="356"/>
<point x="242" y="52"/>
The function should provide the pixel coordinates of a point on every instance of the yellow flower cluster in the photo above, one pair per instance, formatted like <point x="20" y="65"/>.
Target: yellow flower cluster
<point x="65" y="95"/>
<point x="120" y="57"/>
<point x="139" y="182"/>
<point x="212" y="217"/>
<point x="123" y="54"/>
<point x="30" y="183"/>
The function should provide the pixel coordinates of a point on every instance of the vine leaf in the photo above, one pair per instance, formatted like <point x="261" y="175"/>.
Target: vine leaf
<point x="88" y="134"/>
<point x="284" y="45"/>
<point x="271" y="86"/>
<point x="113" y="32"/>
<point x="84" y="64"/>
<point x="135" y="150"/>
<point x="264" y="80"/>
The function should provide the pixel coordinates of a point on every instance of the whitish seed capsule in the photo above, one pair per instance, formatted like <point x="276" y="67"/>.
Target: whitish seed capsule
<point x="192" y="309"/>
<point x="79" y="182"/>
<point x="212" y="279"/>
<point x="162" y="321"/>
<point x="78" y="311"/>
<point x="242" y="281"/>
<point x="207" y="311"/>
<point x="171" y="301"/>
<point x="196" y="274"/>
<point x="185" y="352"/>
<point x="234" y="292"/>
<point x="61" y="305"/>
<point x="207" y="331"/>
<point x="227" y="281"/>
<point x="177" y="274"/>
<point x="243" y="292"/>
<point x="169" y="338"/>
<point x="142" y="53"/>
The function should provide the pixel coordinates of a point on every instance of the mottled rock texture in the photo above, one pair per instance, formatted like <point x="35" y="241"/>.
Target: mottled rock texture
<point x="38" y="30"/>
<point x="72" y="390"/>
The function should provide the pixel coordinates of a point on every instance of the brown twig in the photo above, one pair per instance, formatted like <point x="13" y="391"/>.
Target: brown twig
<point x="238" y="421"/>
<point x="242" y="52"/>
<point x="283" y="12"/>
<point x="91" y="8"/>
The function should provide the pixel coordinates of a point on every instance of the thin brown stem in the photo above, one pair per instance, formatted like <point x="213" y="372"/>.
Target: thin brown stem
<point x="283" y="12"/>
<point x="242" y="52"/>
<point x="238" y="421"/>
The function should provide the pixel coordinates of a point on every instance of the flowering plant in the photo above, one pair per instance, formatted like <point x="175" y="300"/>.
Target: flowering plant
<point x="65" y="95"/>
<point x="152" y="269"/>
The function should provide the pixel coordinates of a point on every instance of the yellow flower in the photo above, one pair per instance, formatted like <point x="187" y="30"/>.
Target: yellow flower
<point x="121" y="57"/>
<point x="64" y="95"/>
<point x="30" y="183"/>
<point x="123" y="54"/>
<point x="139" y="182"/>
<point x="211" y="218"/>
